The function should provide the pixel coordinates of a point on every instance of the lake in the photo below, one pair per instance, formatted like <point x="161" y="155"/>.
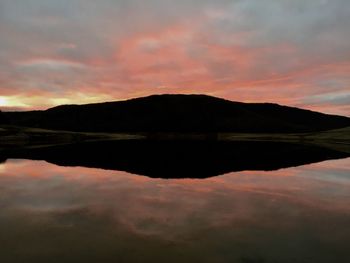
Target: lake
<point x="51" y="213"/>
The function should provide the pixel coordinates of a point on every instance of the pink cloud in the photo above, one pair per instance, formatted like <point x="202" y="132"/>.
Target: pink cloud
<point x="214" y="50"/>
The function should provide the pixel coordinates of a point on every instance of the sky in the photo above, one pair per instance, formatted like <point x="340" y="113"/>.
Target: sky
<point x="291" y="52"/>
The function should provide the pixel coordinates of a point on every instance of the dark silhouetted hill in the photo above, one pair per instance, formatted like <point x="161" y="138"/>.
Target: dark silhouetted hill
<point x="3" y="118"/>
<point x="179" y="113"/>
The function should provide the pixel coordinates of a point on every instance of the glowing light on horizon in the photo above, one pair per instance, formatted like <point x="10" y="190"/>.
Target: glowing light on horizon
<point x="12" y="102"/>
<point x="3" y="101"/>
<point x="24" y="102"/>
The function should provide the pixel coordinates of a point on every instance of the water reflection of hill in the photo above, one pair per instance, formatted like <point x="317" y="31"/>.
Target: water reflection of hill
<point x="179" y="159"/>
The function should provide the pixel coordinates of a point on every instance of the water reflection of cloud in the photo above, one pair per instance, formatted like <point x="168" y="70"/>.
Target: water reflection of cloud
<point x="240" y="212"/>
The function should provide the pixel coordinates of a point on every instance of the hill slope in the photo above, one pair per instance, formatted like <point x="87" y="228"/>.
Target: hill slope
<point x="179" y="113"/>
<point x="3" y="119"/>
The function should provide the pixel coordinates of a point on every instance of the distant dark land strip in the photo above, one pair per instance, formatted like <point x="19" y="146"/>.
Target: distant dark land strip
<point x="173" y="117"/>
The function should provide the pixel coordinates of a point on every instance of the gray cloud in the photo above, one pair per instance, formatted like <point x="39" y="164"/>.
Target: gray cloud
<point x="228" y="41"/>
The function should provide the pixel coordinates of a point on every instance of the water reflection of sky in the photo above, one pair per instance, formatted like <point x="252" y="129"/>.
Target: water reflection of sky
<point x="62" y="214"/>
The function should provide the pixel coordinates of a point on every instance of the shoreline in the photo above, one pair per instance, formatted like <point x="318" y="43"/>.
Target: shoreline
<point x="19" y="137"/>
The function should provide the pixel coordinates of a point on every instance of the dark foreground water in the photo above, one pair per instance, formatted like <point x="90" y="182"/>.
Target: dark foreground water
<point x="72" y="214"/>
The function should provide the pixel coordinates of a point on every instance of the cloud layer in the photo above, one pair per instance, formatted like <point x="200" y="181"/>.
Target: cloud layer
<point x="78" y="51"/>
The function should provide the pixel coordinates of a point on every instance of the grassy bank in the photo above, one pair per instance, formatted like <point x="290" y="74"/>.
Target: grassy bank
<point x="12" y="136"/>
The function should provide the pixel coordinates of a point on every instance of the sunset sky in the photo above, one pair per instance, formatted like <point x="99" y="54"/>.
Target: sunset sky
<point x="291" y="52"/>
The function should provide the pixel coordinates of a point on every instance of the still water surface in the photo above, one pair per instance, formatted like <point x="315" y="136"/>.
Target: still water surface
<point x="73" y="214"/>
